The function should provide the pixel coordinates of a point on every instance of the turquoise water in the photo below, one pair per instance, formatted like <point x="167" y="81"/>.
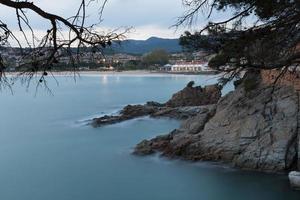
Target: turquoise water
<point x="48" y="153"/>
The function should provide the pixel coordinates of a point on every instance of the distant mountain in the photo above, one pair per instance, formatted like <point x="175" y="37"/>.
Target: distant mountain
<point x="145" y="46"/>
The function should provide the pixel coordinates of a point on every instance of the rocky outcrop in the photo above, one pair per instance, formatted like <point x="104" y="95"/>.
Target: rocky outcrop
<point x="180" y="113"/>
<point x="152" y="109"/>
<point x="195" y="96"/>
<point x="183" y="105"/>
<point x="128" y="112"/>
<point x="253" y="127"/>
<point x="171" y="144"/>
<point x="294" y="178"/>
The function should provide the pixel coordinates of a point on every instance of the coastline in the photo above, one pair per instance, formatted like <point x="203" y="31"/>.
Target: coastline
<point x="130" y="72"/>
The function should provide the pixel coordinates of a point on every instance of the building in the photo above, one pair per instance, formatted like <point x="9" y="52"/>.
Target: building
<point x="121" y="58"/>
<point x="195" y="66"/>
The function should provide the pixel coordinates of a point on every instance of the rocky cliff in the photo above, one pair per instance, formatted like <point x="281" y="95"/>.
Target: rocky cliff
<point x="253" y="127"/>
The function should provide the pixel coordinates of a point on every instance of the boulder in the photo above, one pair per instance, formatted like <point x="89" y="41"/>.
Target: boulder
<point x="294" y="178"/>
<point x="195" y="96"/>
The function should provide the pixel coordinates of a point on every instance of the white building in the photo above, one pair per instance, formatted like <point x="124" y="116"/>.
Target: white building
<point x="187" y="67"/>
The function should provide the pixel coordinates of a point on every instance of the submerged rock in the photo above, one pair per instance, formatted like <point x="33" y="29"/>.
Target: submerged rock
<point x="294" y="178"/>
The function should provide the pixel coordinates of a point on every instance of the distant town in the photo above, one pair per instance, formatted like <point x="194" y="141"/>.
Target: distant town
<point x="166" y="58"/>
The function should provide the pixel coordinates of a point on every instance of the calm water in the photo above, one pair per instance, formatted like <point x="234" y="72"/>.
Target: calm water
<point x="48" y="153"/>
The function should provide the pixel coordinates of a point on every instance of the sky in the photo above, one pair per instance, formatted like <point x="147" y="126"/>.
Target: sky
<point x="146" y="18"/>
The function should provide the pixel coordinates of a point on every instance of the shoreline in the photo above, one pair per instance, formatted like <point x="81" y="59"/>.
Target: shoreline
<point x="129" y="72"/>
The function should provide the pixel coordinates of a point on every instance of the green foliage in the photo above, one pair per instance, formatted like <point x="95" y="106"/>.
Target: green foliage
<point x="218" y="60"/>
<point x="133" y="65"/>
<point x="264" y="9"/>
<point x="156" y="57"/>
<point x="196" y="41"/>
<point x="269" y="43"/>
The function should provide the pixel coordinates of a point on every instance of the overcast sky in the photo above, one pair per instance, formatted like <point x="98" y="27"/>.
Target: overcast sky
<point x="147" y="17"/>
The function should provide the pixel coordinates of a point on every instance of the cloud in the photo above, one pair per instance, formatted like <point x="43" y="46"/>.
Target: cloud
<point x="148" y="17"/>
<point x="144" y="32"/>
<point x="117" y="13"/>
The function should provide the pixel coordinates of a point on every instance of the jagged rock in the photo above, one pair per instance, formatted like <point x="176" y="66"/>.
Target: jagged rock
<point x="294" y="178"/>
<point x="144" y="148"/>
<point x="252" y="130"/>
<point x="195" y="124"/>
<point x="178" y="113"/>
<point x="155" y="104"/>
<point x="155" y="109"/>
<point x="173" y="144"/>
<point x="133" y="111"/>
<point x="255" y="128"/>
<point x="128" y="112"/>
<point x="195" y="96"/>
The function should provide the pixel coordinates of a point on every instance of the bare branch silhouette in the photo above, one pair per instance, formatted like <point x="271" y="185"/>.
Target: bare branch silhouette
<point x="39" y="56"/>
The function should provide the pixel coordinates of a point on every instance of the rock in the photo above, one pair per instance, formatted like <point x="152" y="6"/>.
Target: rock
<point x="105" y="120"/>
<point x="128" y="112"/>
<point x="196" y="123"/>
<point x="255" y="129"/>
<point x="144" y="148"/>
<point x="298" y="135"/>
<point x="182" y="110"/>
<point x="133" y="111"/>
<point x="181" y="113"/>
<point x="190" y="84"/>
<point x="298" y="151"/>
<point x="195" y="96"/>
<point x="174" y="144"/>
<point x="155" y="104"/>
<point x="294" y="178"/>
<point x="252" y="131"/>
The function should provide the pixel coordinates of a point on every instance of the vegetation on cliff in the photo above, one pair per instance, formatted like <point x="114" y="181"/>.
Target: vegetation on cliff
<point x="259" y="34"/>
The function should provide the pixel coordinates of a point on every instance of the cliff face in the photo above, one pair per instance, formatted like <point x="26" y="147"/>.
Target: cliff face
<point x="298" y="133"/>
<point x="254" y="128"/>
<point x="287" y="79"/>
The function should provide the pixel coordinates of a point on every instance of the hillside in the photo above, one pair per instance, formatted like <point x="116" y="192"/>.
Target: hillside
<point x="145" y="46"/>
